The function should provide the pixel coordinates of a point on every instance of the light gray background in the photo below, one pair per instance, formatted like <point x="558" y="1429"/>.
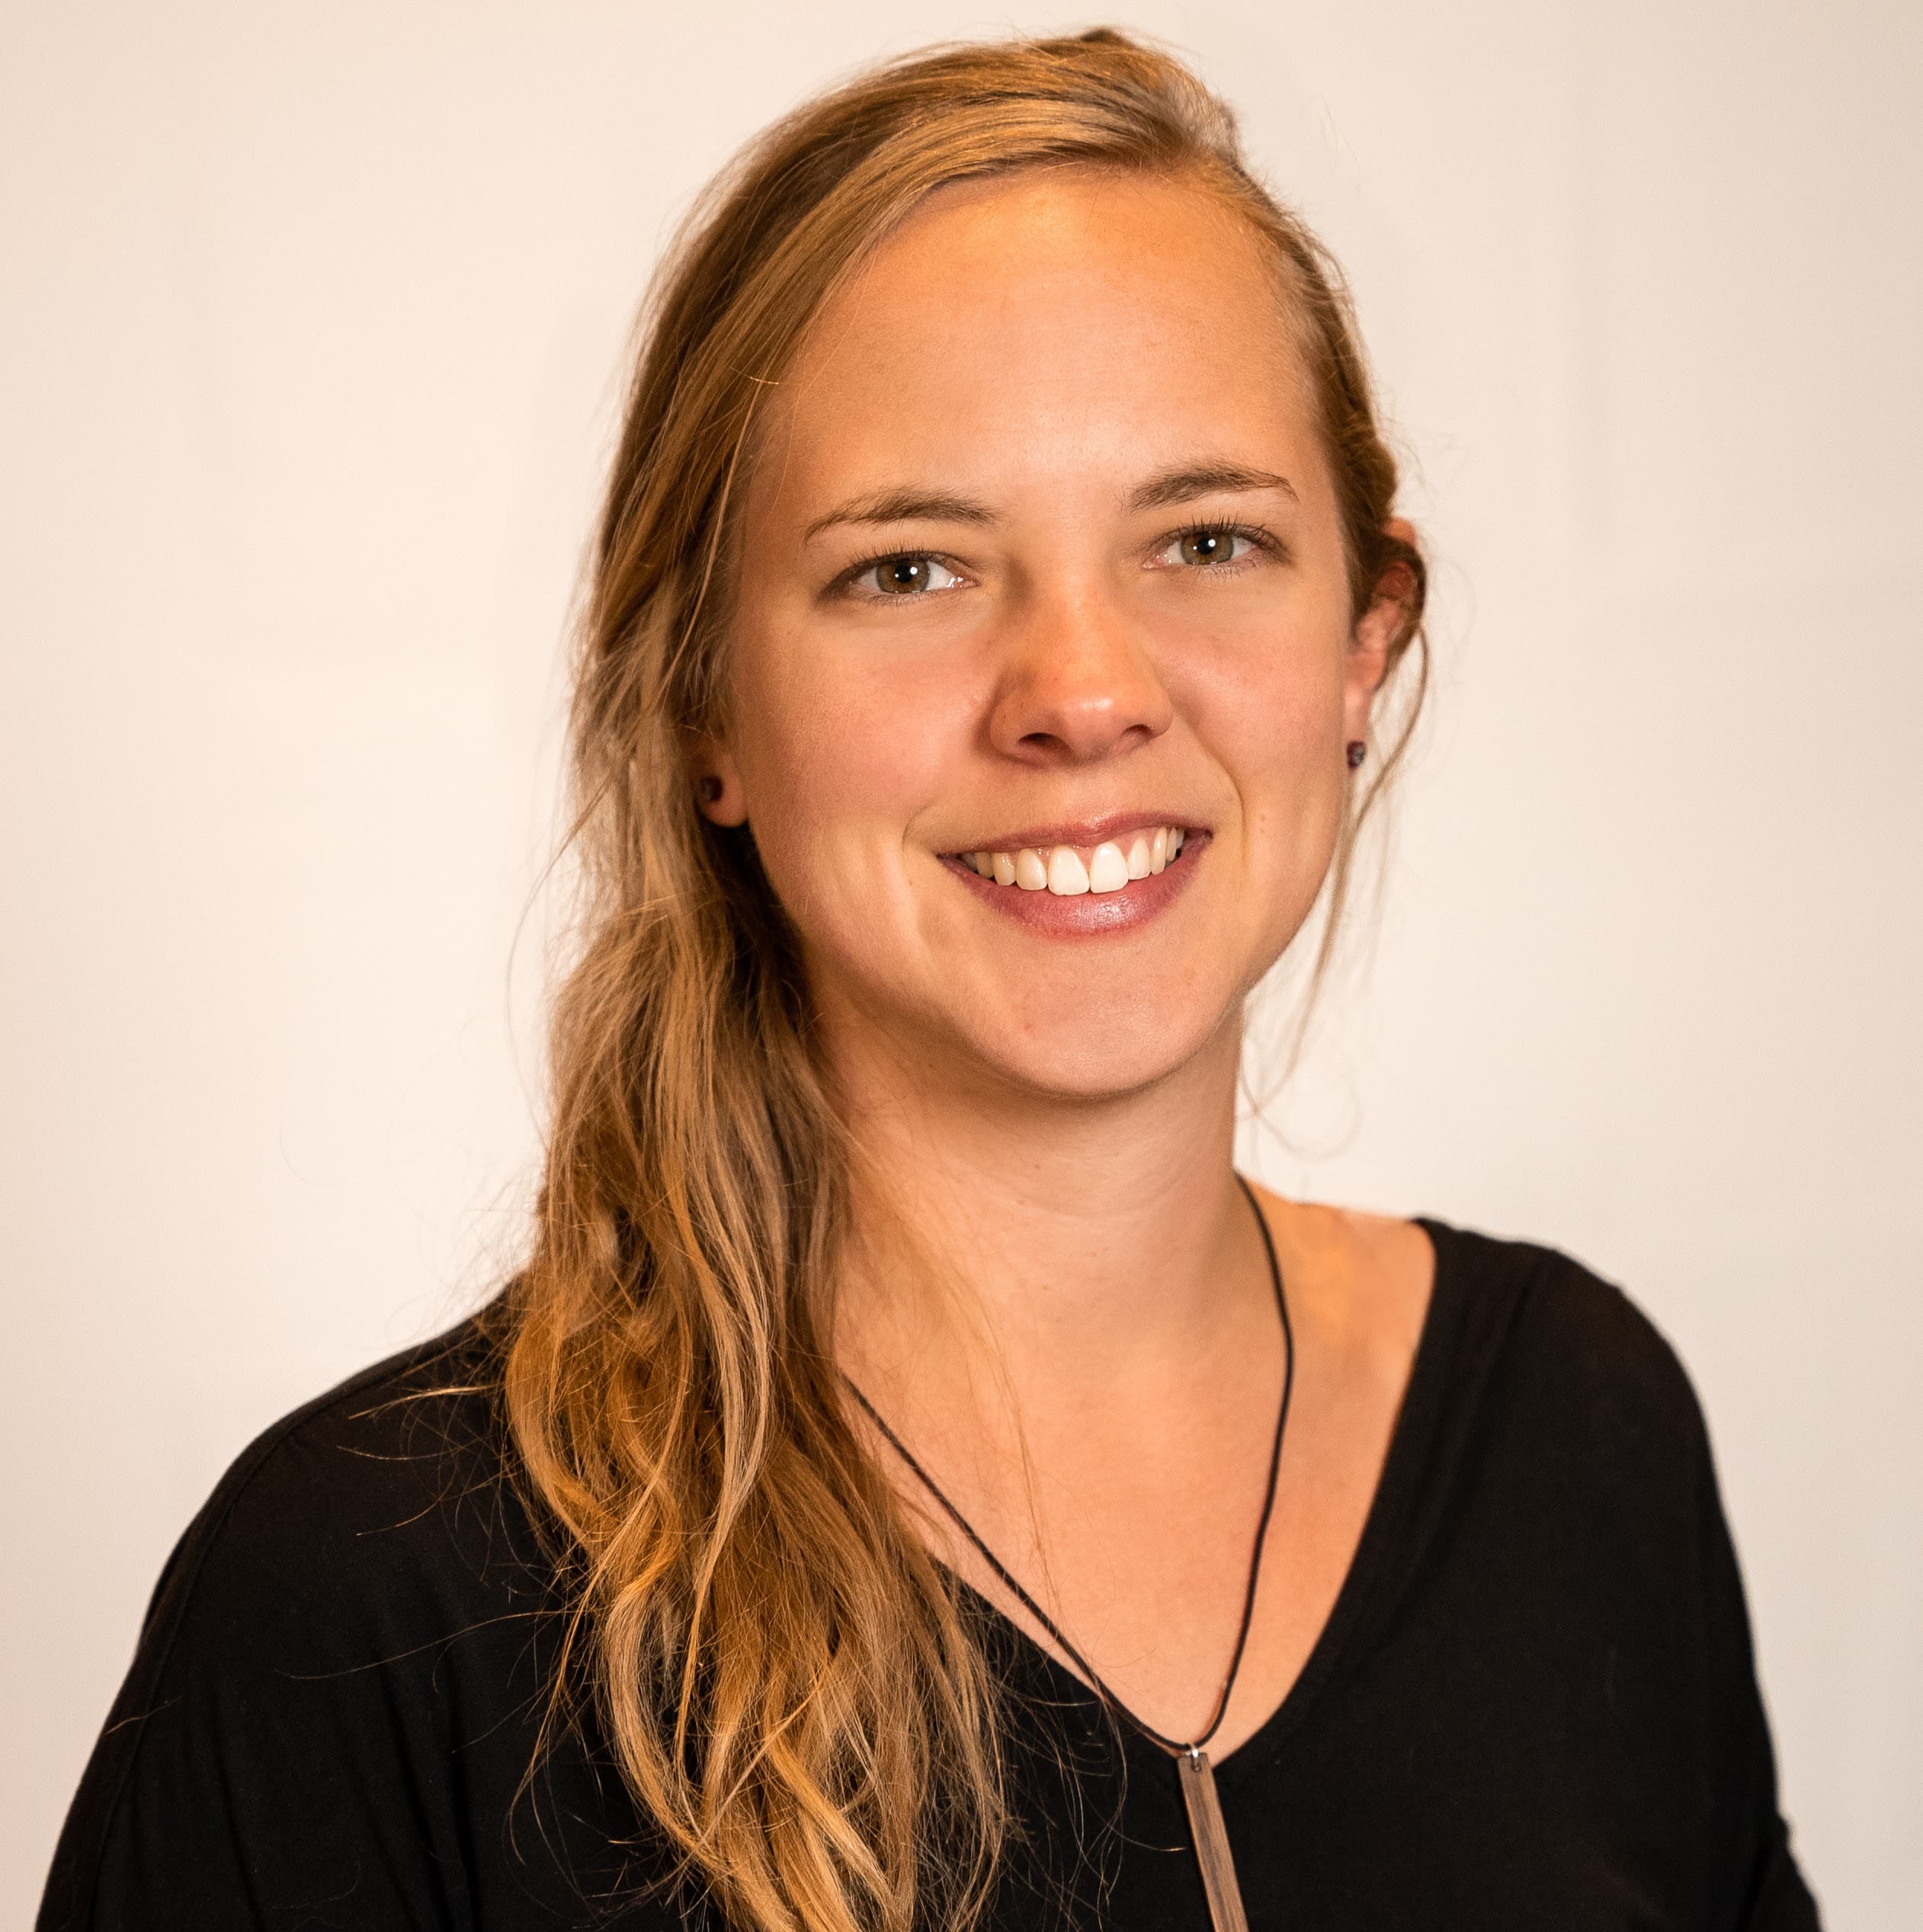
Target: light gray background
<point x="311" y="323"/>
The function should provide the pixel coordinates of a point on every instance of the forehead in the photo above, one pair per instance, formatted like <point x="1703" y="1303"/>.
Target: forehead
<point x="1054" y="318"/>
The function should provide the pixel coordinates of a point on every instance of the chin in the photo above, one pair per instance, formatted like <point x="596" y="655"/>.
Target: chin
<point x="1100" y="1056"/>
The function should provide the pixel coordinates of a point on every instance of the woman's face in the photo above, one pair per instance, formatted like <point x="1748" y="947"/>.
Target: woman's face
<point x="1040" y="559"/>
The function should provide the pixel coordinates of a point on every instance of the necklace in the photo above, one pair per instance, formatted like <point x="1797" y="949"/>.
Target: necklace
<point x="1197" y="1775"/>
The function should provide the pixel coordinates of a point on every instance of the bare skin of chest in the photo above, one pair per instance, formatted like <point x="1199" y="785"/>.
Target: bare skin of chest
<point x="1127" y="1502"/>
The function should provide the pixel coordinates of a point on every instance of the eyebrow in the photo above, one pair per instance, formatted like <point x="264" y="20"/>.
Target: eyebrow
<point x="903" y="506"/>
<point x="1195" y="479"/>
<point x="915" y="504"/>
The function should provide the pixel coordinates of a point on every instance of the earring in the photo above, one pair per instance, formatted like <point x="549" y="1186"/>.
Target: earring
<point x="1357" y="752"/>
<point x="709" y="787"/>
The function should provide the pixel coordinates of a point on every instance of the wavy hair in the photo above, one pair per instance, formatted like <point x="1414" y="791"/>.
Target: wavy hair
<point x="788" y="1680"/>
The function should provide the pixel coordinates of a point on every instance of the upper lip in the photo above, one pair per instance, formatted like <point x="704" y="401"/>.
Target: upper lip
<point x="1078" y="832"/>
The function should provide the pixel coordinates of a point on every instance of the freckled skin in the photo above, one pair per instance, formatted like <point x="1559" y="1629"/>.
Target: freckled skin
<point x="1042" y="346"/>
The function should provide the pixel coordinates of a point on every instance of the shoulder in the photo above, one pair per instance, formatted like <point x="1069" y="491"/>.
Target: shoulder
<point x="1496" y="1347"/>
<point x="360" y="1606"/>
<point x="1559" y="1399"/>
<point x="1513" y="1342"/>
<point x="1551" y="1318"/>
<point x="381" y="1505"/>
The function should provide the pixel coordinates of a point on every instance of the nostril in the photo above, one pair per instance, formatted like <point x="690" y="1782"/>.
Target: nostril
<point x="1053" y="744"/>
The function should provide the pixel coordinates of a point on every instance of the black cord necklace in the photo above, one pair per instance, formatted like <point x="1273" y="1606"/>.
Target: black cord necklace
<point x="1192" y="1760"/>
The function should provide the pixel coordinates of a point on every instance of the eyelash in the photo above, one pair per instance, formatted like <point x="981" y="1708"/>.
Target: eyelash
<point x="845" y="584"/>
<point x="1263" y="540"/>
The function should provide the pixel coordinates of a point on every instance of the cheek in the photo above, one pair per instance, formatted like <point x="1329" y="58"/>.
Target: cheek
<point x="1272" y="715"/>
<point x="1273" y="709"/>
<point x="838" y="750"/>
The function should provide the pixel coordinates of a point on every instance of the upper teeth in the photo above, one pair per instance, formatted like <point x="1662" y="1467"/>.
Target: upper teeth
<point x="1067" y="870"/>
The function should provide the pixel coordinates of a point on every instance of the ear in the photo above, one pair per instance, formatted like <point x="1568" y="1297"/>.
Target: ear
<point x="1379" y="634"/>
<point x="719" y="795"/>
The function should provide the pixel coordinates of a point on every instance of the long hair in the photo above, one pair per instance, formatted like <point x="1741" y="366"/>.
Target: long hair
<point x="789" y="1682"/>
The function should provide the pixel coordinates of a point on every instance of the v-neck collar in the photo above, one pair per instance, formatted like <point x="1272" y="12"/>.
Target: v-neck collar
<point x="1379" y="1550"/>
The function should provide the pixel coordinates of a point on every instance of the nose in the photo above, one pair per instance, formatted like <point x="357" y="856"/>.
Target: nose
<point x="1078" y="684"/>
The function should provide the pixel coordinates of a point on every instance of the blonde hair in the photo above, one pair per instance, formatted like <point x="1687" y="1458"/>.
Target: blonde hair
<point x="788" y="1680"/>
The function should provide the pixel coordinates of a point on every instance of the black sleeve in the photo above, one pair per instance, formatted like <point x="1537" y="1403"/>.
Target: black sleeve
<point x="275" y="1758"/>
<point x="1764" y="1891"/>
<point x="1579" y="1556"/>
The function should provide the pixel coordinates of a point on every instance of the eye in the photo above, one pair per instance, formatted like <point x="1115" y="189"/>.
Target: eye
<point x="912" y="573"/>
<point x="1210" y="547"/>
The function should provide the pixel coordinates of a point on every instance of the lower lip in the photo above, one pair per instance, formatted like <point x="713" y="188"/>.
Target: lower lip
<point x="1088" y="915"/>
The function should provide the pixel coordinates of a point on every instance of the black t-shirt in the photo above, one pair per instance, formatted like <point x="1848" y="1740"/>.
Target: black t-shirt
<point x="1533" y="1706"/>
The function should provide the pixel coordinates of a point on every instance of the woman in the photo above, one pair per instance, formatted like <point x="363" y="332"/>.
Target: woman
<point x="914" y="1482"/>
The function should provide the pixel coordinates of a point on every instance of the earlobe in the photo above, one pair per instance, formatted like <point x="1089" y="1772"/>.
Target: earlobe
<point x="718" y="792"/>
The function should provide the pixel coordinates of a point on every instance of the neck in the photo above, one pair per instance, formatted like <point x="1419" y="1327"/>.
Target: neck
<point x="1047" y="1246"/>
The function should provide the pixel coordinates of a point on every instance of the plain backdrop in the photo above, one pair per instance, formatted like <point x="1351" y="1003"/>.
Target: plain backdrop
<point x="312" y="323"/>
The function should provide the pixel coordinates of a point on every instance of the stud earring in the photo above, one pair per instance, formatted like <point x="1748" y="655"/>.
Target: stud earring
<point x="709" y="787"/>
<point x="1357" y="752"/>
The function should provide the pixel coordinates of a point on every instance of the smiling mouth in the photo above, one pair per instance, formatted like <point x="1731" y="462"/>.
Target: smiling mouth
<point x="1069" y="870"/>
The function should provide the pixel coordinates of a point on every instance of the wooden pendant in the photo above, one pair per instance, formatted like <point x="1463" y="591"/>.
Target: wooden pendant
<point x="1211" y="1838"/>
